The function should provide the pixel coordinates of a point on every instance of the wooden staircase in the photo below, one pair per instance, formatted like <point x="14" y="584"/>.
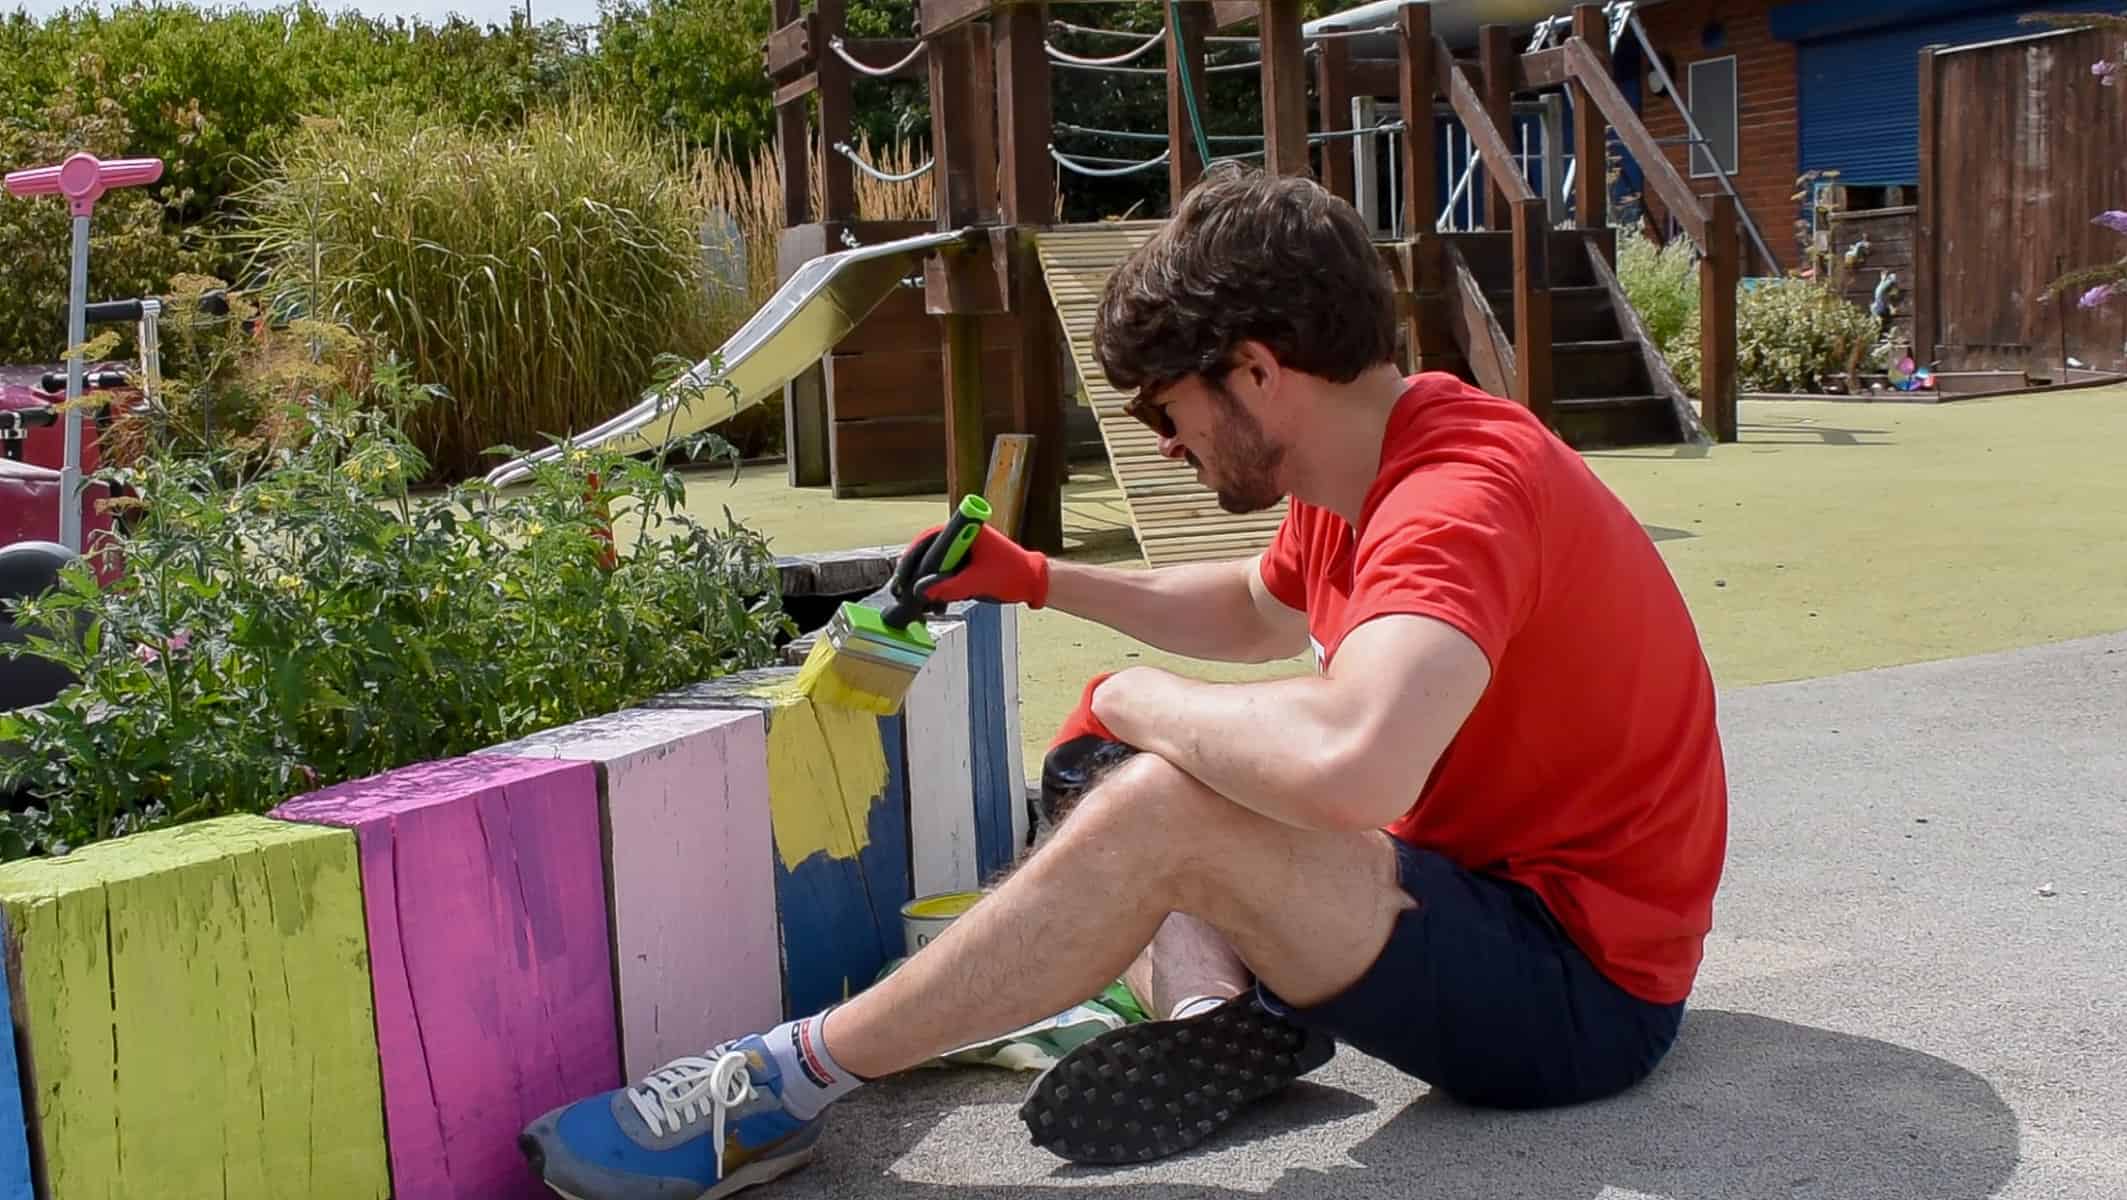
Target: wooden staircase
<point x="1609" y="384"/>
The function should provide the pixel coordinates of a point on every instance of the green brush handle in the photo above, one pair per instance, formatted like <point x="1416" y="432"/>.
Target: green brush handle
<point x="946" y="551"/>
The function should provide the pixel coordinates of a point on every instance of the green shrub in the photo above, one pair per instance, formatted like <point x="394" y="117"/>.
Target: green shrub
<point x="534" y="275"/>
<point x="1791" y="332"/>
<point x="1662" y="282"/>
<point x="319" y="621"/>
<point x="130" y="251"/>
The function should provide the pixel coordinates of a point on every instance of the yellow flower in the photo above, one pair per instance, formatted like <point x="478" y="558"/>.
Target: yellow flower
<point x="287" y="582"/>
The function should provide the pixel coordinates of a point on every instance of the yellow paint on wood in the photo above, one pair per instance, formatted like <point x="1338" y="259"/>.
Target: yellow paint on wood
<point x="825" y="767"/>
<point x="198" y="1014"/>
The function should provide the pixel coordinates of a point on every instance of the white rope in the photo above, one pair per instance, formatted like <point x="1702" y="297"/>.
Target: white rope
<point x="1067" y="27"/>
<point x="1071" y="164"/>
<point x="876" y="72"/>
<point x="1116" y="61"/>
<point x="878" y="174"/>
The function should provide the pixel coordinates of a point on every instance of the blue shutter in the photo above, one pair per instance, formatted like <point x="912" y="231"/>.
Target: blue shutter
<point x="1860" y="92"/>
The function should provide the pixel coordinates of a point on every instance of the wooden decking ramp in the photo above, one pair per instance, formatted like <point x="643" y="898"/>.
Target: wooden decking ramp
<point x="1176" y="519"/>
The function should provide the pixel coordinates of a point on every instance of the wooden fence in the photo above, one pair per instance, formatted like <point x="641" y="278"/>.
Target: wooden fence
<point x="2019" y="148"/>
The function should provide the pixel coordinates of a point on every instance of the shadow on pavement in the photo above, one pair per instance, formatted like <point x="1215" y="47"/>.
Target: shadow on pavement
<point x="1745" y="1107"/>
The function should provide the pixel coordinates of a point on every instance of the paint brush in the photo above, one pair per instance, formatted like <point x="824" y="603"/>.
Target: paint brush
<point x="866" y="658"/>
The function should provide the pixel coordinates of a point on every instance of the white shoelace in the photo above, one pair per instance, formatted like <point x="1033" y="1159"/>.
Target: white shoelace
<point x="680" y="1092"/>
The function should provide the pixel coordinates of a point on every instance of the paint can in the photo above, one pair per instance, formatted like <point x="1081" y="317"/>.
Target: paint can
<point x="925" y="917"/>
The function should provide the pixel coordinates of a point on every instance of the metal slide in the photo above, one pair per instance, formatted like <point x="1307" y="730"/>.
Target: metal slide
<point x="813" y="310"/>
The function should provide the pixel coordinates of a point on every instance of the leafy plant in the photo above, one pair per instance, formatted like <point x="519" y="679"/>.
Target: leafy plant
<point x="533" y="274"/>
<point x="317" y="620"/>
<point x="1662" y="283"/>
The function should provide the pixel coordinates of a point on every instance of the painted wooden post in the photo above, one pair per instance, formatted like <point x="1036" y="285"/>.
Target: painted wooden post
<point x="484" y="884"/>
<point x="1495" y="57"/>
<point x="794" y="139"/>
<point x="1532" y="308"/>
<point x="1026" y="123"/>
<point x="1284" y="72"/>
<point x="1416" y="88"/>
<point x="1927" y="270"/>
<point x="838" y="803"/>
<point x="1591" y="170"/>
<point x="1014" y="752"/>
<point x="941" y="768"/>
<point x="1333" y="85"/>
<point x="1000" y="788"/>
<point x="194" y="1004"/>
<point x="690" y="874"/>
<point x="1718" y="279"/>
<point x="838" y="183"/>
<point x="1187" y="24"/>
<point x="14" y="1133"/>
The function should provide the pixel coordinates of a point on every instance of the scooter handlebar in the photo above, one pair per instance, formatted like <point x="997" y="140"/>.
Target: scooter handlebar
<point x="84" y="178"/>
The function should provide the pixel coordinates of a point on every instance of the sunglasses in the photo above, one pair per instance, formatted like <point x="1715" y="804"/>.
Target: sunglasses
<point x="1150" y="414"/>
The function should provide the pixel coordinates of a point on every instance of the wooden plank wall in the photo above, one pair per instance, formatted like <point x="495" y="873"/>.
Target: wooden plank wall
<point x="1889" y="232"/>
<point x="194" y="1004"/>
<point x="885" y="399"/>
<point x="2024" y="149"/>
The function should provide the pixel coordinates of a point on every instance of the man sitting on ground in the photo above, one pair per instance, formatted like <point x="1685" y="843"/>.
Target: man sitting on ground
<point x="1480" y="841"/>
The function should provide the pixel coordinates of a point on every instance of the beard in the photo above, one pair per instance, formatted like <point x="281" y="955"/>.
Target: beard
<point x="1247" y="479"/>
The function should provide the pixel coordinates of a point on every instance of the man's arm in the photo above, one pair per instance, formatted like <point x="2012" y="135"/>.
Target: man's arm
<point x="1346" y="750"/>
<point x="1217" y="610"/>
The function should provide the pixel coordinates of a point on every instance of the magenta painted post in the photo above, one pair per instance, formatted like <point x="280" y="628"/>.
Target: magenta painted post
<point x="84" y="178"/>
<point x="484" y="890"/>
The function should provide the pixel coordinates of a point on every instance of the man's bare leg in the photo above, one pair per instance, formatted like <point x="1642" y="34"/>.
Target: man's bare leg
<point x="1307" y="912"/>
<point x="1187" y="959"/>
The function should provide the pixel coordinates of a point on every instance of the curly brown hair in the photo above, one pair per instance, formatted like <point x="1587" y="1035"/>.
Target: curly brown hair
<point x="1248" y="255"/>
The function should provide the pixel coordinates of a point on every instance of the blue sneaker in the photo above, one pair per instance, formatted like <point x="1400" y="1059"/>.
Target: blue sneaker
<point x="697" y="1128"/>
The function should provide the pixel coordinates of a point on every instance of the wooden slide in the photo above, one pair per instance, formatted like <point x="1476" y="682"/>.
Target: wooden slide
<point x="1176" y="519"/>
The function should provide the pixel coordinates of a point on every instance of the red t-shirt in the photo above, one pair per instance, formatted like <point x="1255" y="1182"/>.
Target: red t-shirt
<point x="1590" y="769"/>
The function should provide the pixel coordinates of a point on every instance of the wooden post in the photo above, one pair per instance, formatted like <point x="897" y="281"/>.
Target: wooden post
<point x="1719" y="272"/>
<point x="792" y="141"/>
<point x="838" y="182"/>
<point x="1416" y="89"/>
<point x="1029" y="202"/>
<point x="963" y="123"/>
<point x="1927" y="301"/>
<point x="1333" y="84"/>
<point x="1284" y="88"/>
<point x="1186" y="25"/>
<point x="1532" y="308"/>
<point x="1495" y="58"/>
<point x="1591" y="171"/>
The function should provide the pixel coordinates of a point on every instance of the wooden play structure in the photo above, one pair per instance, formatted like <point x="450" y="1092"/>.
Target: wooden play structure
<point x="1527" y="305"/>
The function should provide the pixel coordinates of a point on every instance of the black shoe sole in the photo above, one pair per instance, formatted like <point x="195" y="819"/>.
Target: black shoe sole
<point x="1157" y="1088"/>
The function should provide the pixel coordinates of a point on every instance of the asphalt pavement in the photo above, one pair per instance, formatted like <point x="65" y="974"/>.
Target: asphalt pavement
<point x="1917" y="990"/>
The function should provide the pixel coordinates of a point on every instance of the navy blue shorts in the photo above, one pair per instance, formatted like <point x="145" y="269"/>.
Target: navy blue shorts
<point x="1480" y="993"/>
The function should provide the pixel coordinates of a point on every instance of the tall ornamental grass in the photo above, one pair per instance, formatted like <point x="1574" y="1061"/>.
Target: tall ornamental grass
<point x="533" y="274"/>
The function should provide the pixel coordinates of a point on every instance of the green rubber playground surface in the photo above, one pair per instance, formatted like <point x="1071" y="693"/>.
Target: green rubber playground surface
<point x="1834" y="536"/>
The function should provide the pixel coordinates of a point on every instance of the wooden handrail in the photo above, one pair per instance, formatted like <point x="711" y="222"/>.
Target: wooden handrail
<point x="1491" y="144"/>
<point x="1677" y="196"/>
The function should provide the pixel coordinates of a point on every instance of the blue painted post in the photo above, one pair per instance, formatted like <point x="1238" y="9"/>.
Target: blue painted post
<point x="996" y="792"/>
<point x="14" y="1133"/>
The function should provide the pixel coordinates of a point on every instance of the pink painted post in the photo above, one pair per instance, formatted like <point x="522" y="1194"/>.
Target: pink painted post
<point x="484" y="888"/>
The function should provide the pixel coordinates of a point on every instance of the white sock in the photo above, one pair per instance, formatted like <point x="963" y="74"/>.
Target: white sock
<point x="812" y="1079"/>
<point x="1196" y="1004"/>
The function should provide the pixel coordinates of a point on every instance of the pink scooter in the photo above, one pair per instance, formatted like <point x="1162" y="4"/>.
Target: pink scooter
<point x="30" y="563"/>
<point x="82" y="179"/>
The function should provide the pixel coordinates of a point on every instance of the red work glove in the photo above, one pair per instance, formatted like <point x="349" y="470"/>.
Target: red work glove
<point x="994" y="568"/>
<point x="1082" y="722"/>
